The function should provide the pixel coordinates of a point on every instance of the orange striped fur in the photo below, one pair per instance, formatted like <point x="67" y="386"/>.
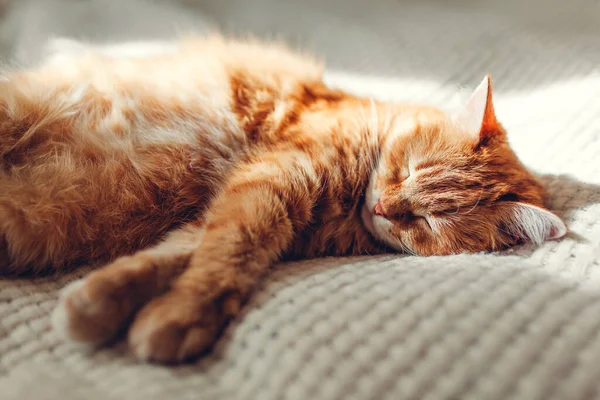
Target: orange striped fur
<point x="194" y="170"/>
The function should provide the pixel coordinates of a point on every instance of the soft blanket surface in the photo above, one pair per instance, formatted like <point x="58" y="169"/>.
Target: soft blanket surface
<point x="522" y="324"/>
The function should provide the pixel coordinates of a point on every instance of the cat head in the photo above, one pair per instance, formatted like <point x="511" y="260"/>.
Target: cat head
<point x="451" y="184"/>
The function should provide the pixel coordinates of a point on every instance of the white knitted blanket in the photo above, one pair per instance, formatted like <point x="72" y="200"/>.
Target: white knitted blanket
<point x="524" y="324"/>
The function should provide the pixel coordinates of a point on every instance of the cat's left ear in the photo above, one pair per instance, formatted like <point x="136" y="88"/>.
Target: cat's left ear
<point x="478" y="117"/>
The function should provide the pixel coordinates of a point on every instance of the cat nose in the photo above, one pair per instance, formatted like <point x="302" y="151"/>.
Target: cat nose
<point x="378" y="210"/>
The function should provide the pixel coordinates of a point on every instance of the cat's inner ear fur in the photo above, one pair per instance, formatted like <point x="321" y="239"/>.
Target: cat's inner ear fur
<point x="530" y="223"/>
<point x="478" y="117"/>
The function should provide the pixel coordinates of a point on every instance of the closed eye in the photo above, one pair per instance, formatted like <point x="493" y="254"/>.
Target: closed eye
<point x="423" y="217"/>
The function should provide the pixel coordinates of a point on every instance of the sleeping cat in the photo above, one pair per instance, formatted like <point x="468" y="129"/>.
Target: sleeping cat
<point x="193" y="170"/>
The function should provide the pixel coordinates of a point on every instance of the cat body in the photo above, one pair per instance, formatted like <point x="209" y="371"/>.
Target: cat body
<point x="194" y="167"/>
<point x="126" y="149"/>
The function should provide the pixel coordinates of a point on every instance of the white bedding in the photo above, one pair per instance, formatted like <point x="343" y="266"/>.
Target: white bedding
<point x="522" y="324"/>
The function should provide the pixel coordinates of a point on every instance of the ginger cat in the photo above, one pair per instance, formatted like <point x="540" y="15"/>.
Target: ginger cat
<point x="193" y="169"/>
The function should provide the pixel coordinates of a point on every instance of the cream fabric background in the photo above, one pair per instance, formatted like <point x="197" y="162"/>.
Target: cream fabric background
<point x="523" y="324"/>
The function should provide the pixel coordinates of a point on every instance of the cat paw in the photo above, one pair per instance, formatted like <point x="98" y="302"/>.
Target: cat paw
<point x="81" y="317"/>
<point x="93" y="310"/>
<point x="179" y="326"/>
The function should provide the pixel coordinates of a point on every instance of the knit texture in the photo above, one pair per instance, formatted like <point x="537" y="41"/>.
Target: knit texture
<point x="522" y="324"/>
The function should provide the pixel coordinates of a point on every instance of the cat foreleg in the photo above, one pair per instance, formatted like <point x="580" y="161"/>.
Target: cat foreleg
<point x="249" y="226"/>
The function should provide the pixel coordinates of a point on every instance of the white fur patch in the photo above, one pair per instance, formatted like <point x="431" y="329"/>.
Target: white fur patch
<point x="378" y="226"/>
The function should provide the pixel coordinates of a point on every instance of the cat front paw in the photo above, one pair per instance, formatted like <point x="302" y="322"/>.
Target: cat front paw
<point x="179" y="326"/>
<point x="82" y="317"/>
<point x="93" y="310"/>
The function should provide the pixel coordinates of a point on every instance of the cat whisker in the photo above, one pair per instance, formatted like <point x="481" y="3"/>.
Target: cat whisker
<point x="388" y="118"/>
<point x="376" y="151"/>
<point x="405" y="248"/>
<point x="374" y="133"/>
<point x="476" y="203"/>
<point x="455" y="212"/>
<point x="371" y="154"/>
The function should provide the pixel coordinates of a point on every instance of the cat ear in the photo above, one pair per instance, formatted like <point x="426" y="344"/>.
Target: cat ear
<point x="531" y="223"/>
<point x="478" y="117"/>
